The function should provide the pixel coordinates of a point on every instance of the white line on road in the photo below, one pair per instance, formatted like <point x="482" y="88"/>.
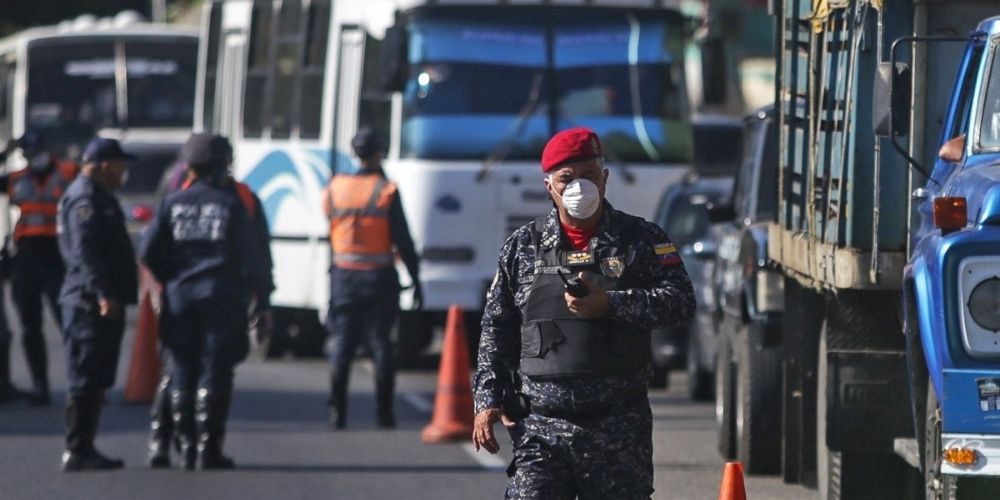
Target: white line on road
<point x="489" y="462"/>
<point x="419" y="402"/>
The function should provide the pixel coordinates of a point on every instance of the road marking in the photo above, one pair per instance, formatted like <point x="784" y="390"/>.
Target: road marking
<point x="420" y="402"/>
<point x="489" y="462"/>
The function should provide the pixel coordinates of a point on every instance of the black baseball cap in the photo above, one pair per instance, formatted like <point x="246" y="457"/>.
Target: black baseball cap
<point x="32" y="142"/>
<point x="366" y="142"/>
<point x="104" y="149"/>
<point x="203" y="150"/>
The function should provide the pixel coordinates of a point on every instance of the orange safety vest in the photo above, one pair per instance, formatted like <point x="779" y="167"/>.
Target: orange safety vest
<point x="38" y="199"/>
<point x="358" y="207"/>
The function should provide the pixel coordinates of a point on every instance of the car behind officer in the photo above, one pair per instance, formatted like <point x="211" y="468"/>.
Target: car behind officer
<point x="582" y="352"/>
<point x="100" y="280"/>
<point x="37" y="267"/>
<point x="366" y="221"/>
<point x="202" y="247"/>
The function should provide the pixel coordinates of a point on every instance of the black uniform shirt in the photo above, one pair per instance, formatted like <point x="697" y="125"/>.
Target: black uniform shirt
<point x="95" y="246"/>
<point x="201" y="245"/>
<point x="654" y="290"/>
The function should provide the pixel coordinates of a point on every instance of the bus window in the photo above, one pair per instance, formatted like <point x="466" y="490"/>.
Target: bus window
<point x="161" y="76"/>
<point x="6" y="88"/>
<point x="71" y="89"/>
<point x="286" y="69"/>
<point x="312" y="73"/>
<point x="258" y="63"/>
<point x="211" y="63"/>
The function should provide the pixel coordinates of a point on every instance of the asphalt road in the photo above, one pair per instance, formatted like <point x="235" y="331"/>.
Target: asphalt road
<point x="278" y="436"/>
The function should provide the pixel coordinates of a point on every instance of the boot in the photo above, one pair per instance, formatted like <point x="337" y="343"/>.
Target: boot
<point x="385" y="416"/>
<point x="212" y="410"/>
<point x="38" y="362"/>
<point x="161" y="426"/>
<point x="338" y="404"/>
<point x="82" y="415"/>
<point x="182" y="406"/>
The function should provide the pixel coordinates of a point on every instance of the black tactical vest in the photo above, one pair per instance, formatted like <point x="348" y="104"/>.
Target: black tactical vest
<point x="555" y="343"/>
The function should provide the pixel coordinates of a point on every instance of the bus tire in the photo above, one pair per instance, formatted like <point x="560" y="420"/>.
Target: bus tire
<point x="725" y="416"/>
<point x="758" y="401"/>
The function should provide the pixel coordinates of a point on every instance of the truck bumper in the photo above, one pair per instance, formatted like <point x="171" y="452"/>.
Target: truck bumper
<point x="987" y="447"/>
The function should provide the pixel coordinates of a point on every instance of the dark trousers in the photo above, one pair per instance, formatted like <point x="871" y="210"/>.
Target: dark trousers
<point x="37" y="271"/>
<point x="4" y="343"/>
<point x="205" y="340"/>
<point x="93" y="345"/>
<point x="348" y="322"/>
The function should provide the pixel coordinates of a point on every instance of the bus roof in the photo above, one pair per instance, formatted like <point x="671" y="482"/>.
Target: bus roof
<point x="91" y="27"/>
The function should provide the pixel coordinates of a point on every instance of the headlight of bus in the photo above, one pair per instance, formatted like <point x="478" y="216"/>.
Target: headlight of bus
<point x="984" y="304"/>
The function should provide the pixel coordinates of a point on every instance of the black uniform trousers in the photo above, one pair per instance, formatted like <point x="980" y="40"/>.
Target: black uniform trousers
<point x="205" y="340"/>
<point x="38" y="271"/>
<point x="363" y="301"/>
<point x="93" y="345"/>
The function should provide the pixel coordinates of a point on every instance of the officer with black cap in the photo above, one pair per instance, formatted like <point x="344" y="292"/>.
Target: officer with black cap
<point x="100" y="281"/>
<point x="37" y="268"/>
<point x="366" y="222"/>
<point x="202" y="247"/>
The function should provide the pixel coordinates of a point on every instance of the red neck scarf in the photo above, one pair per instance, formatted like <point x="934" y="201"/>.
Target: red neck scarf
<point x="579" y="238"/>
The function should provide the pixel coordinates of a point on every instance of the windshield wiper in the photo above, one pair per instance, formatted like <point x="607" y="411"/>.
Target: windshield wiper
<point x="504" y="147"/>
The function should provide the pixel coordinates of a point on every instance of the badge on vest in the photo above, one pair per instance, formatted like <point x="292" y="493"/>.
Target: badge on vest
<point x="613" y="267"/>
<point x="579" y="258"/>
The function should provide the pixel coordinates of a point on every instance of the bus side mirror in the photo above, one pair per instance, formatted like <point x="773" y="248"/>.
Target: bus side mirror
<point x="393" y="60"/>
<point x="891" y="114"/>
<point x="713" y="70"/>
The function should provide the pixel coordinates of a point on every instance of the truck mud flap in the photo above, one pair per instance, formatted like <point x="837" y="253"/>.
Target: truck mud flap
<point x="869" y="399"/>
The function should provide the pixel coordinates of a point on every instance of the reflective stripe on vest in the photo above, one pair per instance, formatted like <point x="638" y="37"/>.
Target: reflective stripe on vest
<point x="38" y="199"/>
<point x="359" y="221"/>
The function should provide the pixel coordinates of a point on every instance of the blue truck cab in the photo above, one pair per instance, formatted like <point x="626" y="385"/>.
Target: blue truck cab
<point x="952" y="278"/>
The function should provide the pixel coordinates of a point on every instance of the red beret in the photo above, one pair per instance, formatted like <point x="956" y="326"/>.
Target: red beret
<point x="570" y="146"/>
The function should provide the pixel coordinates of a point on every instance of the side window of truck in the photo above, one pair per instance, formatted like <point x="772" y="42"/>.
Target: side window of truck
<point x="989" y="130"/>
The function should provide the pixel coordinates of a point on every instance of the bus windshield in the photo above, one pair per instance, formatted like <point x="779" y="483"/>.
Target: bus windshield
<point x="73" y="93"/>
<point x="476" y="84"/>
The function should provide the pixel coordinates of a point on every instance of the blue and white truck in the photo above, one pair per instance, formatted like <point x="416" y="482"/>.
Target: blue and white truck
<point x="888" y="234"/>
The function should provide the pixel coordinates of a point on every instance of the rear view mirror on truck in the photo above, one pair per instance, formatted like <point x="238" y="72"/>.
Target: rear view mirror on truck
<point x="891" y="114"/>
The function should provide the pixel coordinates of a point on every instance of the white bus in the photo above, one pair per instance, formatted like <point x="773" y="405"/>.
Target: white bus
<point x="117" y="77"/>
<point x="467" y="93"/>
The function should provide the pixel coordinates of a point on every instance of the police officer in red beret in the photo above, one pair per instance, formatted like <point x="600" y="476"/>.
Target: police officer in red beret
<point x="564" y="358"/>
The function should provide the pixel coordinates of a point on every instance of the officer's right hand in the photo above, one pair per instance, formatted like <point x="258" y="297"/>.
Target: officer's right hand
<point x="109" y="308"/>
<point x="418" y="297"/>
<point x="482" y="429"/>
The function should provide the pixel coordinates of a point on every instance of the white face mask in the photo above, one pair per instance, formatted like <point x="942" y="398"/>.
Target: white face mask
<point x="581" y="198"/>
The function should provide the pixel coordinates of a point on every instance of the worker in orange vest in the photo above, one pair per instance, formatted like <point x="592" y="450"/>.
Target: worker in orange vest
<point x="366" y="223"/>
<point x="37" y="265"/>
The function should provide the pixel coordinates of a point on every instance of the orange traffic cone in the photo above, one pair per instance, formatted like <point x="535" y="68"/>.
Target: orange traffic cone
<point x="452" y="420"/>
<point x="732" y="482"/>
<point x="144" y="367"/>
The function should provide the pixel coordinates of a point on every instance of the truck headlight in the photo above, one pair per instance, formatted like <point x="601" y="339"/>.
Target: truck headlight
<point x="984" y="304"/>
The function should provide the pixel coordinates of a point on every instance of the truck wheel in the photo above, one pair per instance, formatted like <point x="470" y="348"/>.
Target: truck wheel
<point x="279" y="341"/>
<point x="700" y="380"/>
<point x="842" y="474"/>
<point x="307" y="335"/>
<point x="946" y="487"/>
<point x="725" y="416"/>
<point x="758" y="402"/>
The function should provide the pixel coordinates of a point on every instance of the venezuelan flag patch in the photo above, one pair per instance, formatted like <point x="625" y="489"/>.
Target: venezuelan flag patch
<point x="667" y="254"/>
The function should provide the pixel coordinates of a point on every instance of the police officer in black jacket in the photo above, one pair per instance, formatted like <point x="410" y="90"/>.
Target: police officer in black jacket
<point x="100" y="281"/>
<point x="202" y="247"/>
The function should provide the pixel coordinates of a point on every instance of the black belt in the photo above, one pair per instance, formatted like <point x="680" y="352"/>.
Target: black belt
<point x="587" y="412"/>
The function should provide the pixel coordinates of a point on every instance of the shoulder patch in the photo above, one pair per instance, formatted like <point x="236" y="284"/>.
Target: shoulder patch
<point x="665" y="248"/>
<point x="84" y="212"/>
<point x="667" y="254"/>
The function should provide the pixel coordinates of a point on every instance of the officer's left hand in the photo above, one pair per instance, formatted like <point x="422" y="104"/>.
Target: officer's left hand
<point x="593" y="305"/>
